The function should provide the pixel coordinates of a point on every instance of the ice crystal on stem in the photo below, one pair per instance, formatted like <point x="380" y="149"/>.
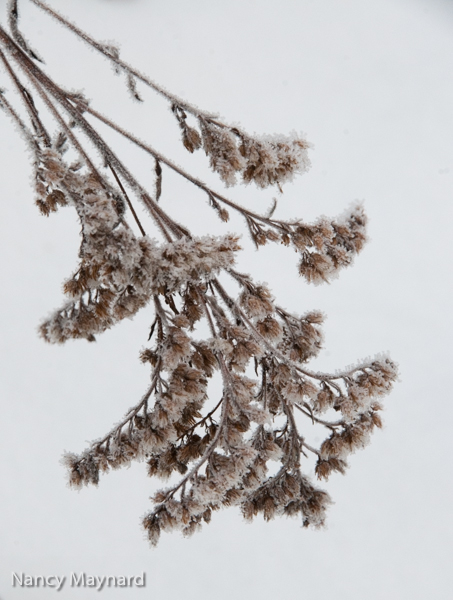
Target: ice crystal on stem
<point x="219" y="451"/>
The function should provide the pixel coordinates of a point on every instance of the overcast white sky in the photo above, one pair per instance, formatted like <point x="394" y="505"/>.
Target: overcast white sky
<point x="370" y="83"/>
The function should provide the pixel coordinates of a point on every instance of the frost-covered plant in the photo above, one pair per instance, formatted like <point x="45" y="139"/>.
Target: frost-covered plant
<point x="220" y="449"/>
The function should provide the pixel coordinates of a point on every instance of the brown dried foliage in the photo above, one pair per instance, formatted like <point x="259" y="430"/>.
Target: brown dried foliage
<point x="215" y="451"/>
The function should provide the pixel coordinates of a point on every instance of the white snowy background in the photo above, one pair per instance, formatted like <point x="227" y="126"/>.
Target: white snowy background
<point x="370" y="83"/>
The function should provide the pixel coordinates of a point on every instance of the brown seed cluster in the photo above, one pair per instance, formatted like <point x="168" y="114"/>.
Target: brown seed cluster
<point x="266" y="160"/>
<point x="119" y="272"/>
<point x="221" y="453"/>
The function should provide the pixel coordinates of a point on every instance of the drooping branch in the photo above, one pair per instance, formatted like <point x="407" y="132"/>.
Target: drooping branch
<point x="220" y="451"/>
